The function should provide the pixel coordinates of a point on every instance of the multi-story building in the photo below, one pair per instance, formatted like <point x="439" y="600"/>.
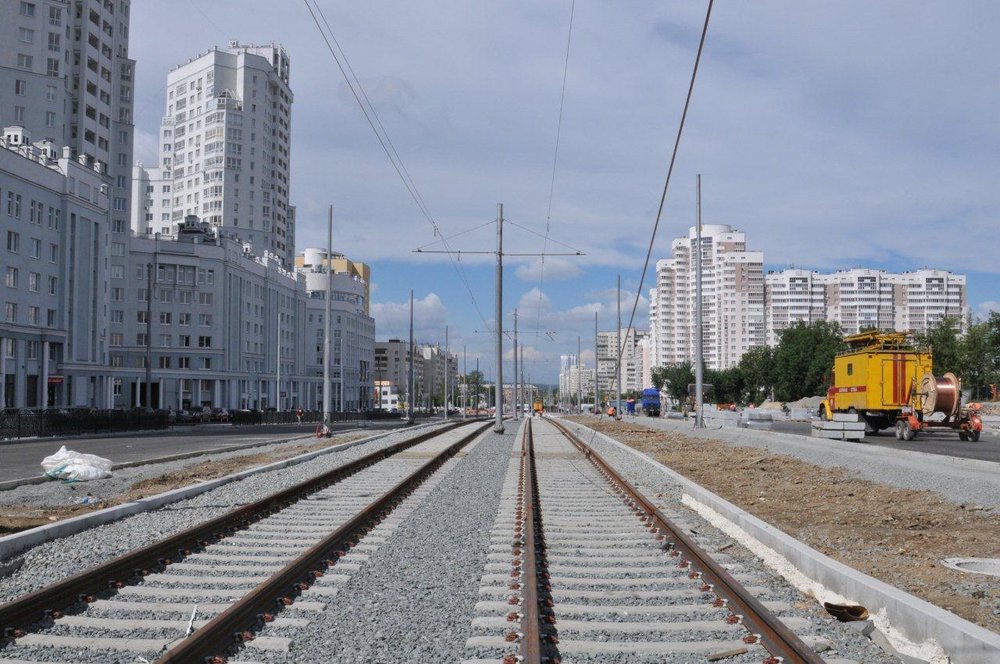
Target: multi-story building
<point x="54" y="212"/>
<point x="352" y="344"/>
<point x="574" y="378"/>
<point x="859" y="299"/>
<point x="631" y="360"/>
<point x="431" y="367"/>
<point x="392" y="366"/>
<point x="733" y="317"/>
<point x="225" y="145"/>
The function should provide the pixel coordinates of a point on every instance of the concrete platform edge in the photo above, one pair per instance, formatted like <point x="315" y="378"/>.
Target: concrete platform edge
<point x="963" y="641"/>
<point x="11" y="545"/>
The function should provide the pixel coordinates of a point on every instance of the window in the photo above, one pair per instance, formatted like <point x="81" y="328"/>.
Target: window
<point x="164" y="318"/>
<point x="10" y="277"/>
<point x="183" y="362"/>
<point x="50" y="119"/>
<point x="206" y="363"/>
<point x="24" y="61"/>
<point x="116" y="361"/>
<point x="52" y="67"/>
<point x="205" y="320"/>
<point x="116" y="340"/>
<point x="140" y="339"/>
<point x="10" y="312"/>
<point x="33" y="278"/>
<point x="204" y="342"/>
<point x="13" y="242"/>
<point x="117" y="271"/>
<point x="205" y="298"/>
<point x="27" y="9"/>
<point x="53" y="253"/>
<point x="117" y="316"/>
<point x="116" y="386"/>
<point x="140" y="317"/>
<point x="26" y="35"/>
<point x="20" y="87"/>
<point x="50" y="318"/>
<point x="184" y="319"/>
<point x="32" y="315"/>
<point x="184" y="341"/>
<point x="55" y="16"/>
<point x="50" y="93"/>
<point x="53" y="285"/>
<point x="850" y="368"/>
<point x="117" y="248"/>
<point x="55" y="44"/>
<point x="164" y="362"/>
<point x="31" y="348"/>
<point x="166" y="340"/>
<point x="36" y="247"/>
<point x="14" y="204"/>
<point x="185" y="297"/>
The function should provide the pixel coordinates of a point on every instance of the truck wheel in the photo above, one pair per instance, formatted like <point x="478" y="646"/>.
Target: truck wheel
<point x="908" y="432"/>
<point x="899" y="429"/>
<point x="975" y="435"/>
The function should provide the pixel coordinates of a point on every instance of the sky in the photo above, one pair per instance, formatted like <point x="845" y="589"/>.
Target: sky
<point x="835" y="135"/>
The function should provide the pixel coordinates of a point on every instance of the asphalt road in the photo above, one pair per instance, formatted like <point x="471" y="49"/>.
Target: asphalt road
<point x="21" y="459"/>
<point x="943" y="442"/>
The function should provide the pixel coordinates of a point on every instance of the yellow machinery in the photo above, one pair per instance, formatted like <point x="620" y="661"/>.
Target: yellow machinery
<point x="537" y="406"/>
<point x="888" y="382"/>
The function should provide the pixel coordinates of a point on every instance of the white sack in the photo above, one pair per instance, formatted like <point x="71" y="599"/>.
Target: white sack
<point x="75" y="466"/>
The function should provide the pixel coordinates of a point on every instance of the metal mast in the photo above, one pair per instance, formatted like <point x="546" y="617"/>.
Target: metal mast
<point x="498" y="425"/>
<point x="514" y="392"/>
<point x="447" y="371"/>
<point x="596" y="364"/>
<point x="579" y="377"/>
<point x="411" y="387"/>
<point x="699" y="421"/>
<point x="620" y="350"/>
<point x="328" y="308"/>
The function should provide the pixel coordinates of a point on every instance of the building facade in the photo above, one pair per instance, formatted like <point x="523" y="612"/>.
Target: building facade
<point x="225" y="150"/>
<point x="574" y="377"/>
<point x="631" y="360"/>
<point x="860" y="299"/>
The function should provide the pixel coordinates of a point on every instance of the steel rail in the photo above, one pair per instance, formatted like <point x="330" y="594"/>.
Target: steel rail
<point x="774" y="635"/>
<point x="50" y="602"/>
<point x="531" y="626"/>
<point x="237" y="624"/>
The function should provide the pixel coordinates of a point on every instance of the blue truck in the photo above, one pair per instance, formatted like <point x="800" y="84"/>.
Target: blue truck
<point x="651" y="402"/>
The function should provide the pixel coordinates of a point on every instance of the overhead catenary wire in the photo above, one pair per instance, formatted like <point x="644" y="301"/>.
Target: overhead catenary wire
<point x="368" y="110"/>
<point x="555" y="163"/>
<point x="666" y="183"/>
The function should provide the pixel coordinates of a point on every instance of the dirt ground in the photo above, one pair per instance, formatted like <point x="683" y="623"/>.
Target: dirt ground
<point x="12" y="522"/>
<point x="896" y="535"/>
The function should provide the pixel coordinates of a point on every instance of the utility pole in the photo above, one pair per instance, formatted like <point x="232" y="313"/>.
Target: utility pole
<point x="277" y="297"/>
<point x="498" y="425"/>
<point x="410" y="387"/>
<point x="579" y="376"/>
<point x="699" y="421"/>
<point x="447" y="372"/>
<point x="597" y="406"/>
<point x="514" y="392"/>
<point x="327" y="314"/>
<point x="149" y="335"/>
<point x="465" y="384"/>
<point x="524" y="389"/>
<point x="618" y="363"/>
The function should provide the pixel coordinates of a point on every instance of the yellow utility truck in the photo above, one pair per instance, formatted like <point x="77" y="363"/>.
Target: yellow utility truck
<point x="887" y="381"/>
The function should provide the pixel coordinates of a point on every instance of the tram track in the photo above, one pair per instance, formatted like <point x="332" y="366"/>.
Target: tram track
<point x="596" y="572"/>
<point x="238" y="569"/>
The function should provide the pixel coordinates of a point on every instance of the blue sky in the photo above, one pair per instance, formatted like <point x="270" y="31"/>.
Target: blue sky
<point x="834" y="134"/>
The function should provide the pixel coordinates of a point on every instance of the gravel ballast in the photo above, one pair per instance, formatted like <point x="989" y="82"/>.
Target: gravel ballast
<point x="57" y="559"/>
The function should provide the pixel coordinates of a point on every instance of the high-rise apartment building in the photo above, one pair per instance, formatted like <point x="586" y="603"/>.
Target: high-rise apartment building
<point x="732" y="299"/>
<point x="631" y="361"/>
<point x="225" y="149"/>
<point x="861" y="298"/>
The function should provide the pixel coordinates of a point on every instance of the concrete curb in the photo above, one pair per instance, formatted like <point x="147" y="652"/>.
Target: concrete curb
<point x="12" y="545"/>
<point x="918" y="620"/>
<point x="733" y="435"/>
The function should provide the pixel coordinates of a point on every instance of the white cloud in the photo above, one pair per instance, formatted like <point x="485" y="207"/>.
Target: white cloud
<point x="392" y="319"/>
<point x="553" y="268"/>
<point x="986" y="308"/>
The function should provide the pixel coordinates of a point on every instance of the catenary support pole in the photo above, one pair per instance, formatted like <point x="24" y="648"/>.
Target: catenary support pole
<point x="411" y="382"/>
<point x="579" y="377"/>
<point x="447" y="371"/>
<point x="498" y="425"/>
<point x="514" y="391"/>
<point x="699" y="420"/>
<point x="327" y="314"/>
<point x="597" y="406"/>
<point x="620" y="353"/>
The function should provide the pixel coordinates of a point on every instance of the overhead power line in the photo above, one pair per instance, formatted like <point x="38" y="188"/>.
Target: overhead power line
<point x="666" y="183"/>
<point x="375" y="123"/>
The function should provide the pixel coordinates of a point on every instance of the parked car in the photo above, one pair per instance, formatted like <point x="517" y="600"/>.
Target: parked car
<point x="184" y="417"/>
<point x="220" y="415"/>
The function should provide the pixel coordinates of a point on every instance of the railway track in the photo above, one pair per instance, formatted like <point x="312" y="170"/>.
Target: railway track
<point x="584" y="568"/>
<point x="202" y="594"/>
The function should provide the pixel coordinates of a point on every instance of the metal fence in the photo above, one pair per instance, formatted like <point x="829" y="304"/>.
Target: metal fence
<point x="242" y="417"/>
<point x="27" y="423"/>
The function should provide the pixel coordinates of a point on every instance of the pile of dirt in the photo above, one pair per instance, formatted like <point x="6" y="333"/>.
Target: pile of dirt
<point x="990" y="408"/>
<point x="806" y="402"/>
<point x="898" y="536"/>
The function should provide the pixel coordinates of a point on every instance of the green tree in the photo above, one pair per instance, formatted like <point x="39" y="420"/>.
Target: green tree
<point x="943" y="340"/>
<point x="674" y="378"/>
<point x="727" y="385"/>
<point x="979" y="355"/>
<point x="756" y="365"/>
<point x="803" y="359"/>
